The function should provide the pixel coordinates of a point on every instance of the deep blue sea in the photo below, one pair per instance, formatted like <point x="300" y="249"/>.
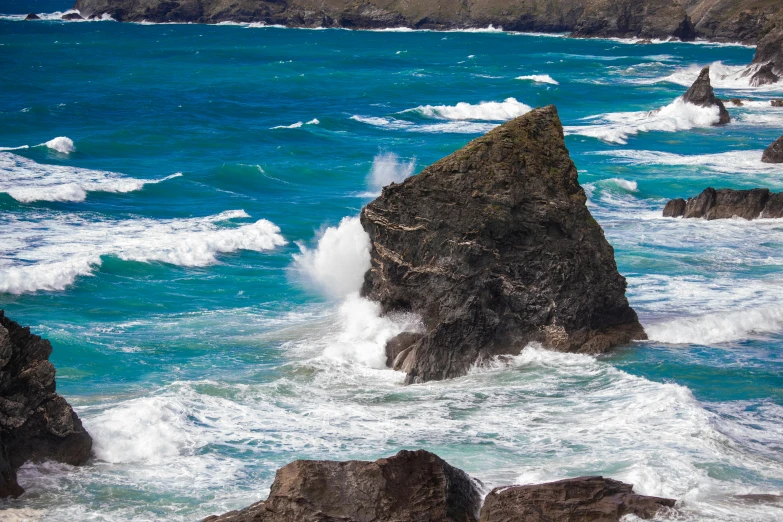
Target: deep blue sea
<point x="178" y="216"/>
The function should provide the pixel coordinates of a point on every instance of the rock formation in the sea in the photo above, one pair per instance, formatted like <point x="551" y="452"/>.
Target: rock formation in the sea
<point x="776" y="103"/>
<point x="36" y="424"/>
<point x="410" y="486"/>
<point x="702" y="94"/>
<point x="72" y="16"/>
<point x="774" y="153"/>
<point x="494" y="247"/>
<point x="584" y="499"/>
<point x="418" y="486"/>
<point x="727" y="204"/>
<point x="769" y="51"/>
<point x="647" y="19"/>
<point x="765" y="75"/>
<point x="32" y="16"/>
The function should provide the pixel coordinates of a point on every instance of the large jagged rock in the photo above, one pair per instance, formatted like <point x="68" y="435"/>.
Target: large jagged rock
<point x="584" y="499"/>
<point x="412" y="486"/>
<point x="495" y="248"/>
<point x="36" y="424"/>
<point x="702" y="94"/>
<point x="728" y="203"/>
<point x="770" y="45"/>
<point x="774" y="153"/>
<point x="765" y="75"/>
<point x="730" y="20"/>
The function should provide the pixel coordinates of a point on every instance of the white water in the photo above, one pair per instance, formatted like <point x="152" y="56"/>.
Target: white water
<point x="49" y="250"/>
<point x="456" y="127"/>
<point x="26" y="180"/>
<point x="388" y="168"/>
<point x="718" y="327"/>
<point x="539" y="78"/>
<point x="487" y="111"/>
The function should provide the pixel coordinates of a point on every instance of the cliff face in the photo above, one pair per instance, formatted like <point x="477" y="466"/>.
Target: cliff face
<point x="35" y="423"/>
<point x="495" y="248"/>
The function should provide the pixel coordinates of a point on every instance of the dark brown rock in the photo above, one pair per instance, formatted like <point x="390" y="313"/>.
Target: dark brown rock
<point x="736" y="102"/>
<point x="412" y="486"/>
<point x="32" y="16"/>
<point x="647" y="19"/>
<point x="674" y="208"/>
<point x="494" y="247"/>
<point x="769" y="51"/>
<point x="728" y="203"/>
<point x="764" y="76"/>
<point x="776" y="103"/>
<point x="702" y="94"/>
<point x="774" y="153"/>
<point x="585" y="499"/>
<point x="72" y="16"/>
<point x="36" y="424"/>
<point x="398" y="348"/>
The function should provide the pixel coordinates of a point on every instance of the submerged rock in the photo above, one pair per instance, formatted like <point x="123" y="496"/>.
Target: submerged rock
<point x="728" y="203"/>
<point x="774" y="153"/>
<point x="32" y="16"/>
<point x="415" y="486"/>
<point x="702" y="94"/>
<point x="764" y="76"/>
<point x="36" y="424"/>
<point x="494" y="247"/>
<point x="584" y="499"/>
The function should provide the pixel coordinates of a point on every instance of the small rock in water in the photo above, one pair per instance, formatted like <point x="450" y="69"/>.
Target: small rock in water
<point x="764" y="76"/>
<point x="776" y="103"/>
<point x="72" y="16"/>
<point x="674" y="208"/>
<point x="737" y="102"/>
<point x="774" y="153"/>
<point x="728" y="203"/>
<point x="584" y="499"/>
<point x="702" y="94"/>
<point x="32" y="16"/>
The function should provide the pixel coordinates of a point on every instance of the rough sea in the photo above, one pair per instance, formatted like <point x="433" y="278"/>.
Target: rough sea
<point x="178" y="216"/>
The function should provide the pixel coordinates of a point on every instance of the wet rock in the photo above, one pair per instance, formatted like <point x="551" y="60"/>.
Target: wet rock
<point x="398" y="348"/>
<point x="36" y="424"/>
<point x="494" y="248"/>
<point x="584" y="499"/>
<point x="72" y="16"/>
<point x="764" y="76"/>
<point x="32" y="16"/>
<point x="776" y="103"/>
<point x="702" y="94"/>
<point x="728" y="203"/>
<point x="774" y="153"/>
<point x="415" y="486"/>
<point x="769" y="50"/>
<point x="736" y="102"/>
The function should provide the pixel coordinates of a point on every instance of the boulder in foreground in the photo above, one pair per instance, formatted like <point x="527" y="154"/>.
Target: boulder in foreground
<point x="726" y="204"/>
<point x="584" y="499"/>
<point x="702" y="94"/>
<point x="415" y="486"/>
<point x="36" y="424"/>
<point x="774" y="153"/>
<point x="494" y="247"/>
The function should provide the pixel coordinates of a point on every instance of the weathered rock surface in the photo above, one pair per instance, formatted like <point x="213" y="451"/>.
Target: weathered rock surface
<point x="702" y="94"/>
<point x="494" y="248"/>
<point x="584" y="499"/>
<point x="412" y="486"/>
<point x="35" y="423"/>
<point x="776" y="103"/>
<point x="770" y="44"/>
<point x="32" y="16"/>
<point x="774" y="153"/>
<point x="648" y="19"/>
<point x="728" y="203"/>
<point x="764" y="76"/>
<point x="72" y="16"/>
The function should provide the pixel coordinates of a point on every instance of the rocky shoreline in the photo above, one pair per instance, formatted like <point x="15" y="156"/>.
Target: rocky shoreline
<point x="419" y="486"/>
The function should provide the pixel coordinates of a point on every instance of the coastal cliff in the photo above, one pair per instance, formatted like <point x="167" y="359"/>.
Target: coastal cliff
<point x="734" y="20"/>
<point x="494" y="247"/>
<point x="35" y="422"/>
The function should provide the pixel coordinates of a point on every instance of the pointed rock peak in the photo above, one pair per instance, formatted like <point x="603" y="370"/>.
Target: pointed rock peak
<point x="702" y="94"/>
<point x="774" y="153"/>
<point x="494" y="247"/>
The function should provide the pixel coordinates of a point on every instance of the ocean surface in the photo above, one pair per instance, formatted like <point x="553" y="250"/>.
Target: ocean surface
<point x="178" y="216"/>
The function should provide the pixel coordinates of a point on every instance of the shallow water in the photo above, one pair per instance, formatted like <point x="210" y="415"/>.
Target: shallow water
<point x="206" y="338"/>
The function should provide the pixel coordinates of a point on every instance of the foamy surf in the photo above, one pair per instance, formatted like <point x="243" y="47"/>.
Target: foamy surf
<point x="48" y="251"/>
<point x="27" y="181"/>
<point x="539" y="78"/>
<point x="488" y="111"/>
<point x="721" y="327"/>
<point x="452" y="127"/>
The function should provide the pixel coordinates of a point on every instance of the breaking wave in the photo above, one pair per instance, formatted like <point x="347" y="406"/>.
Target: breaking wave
<point x="487" y="111"/>
<point x="539" y="78"/>
<point x="26" y="181"/>
<point x="452" y="127"/>
<point x="719" y="327"/>
<point x="49" y="251"/>
<point x="388" y="168"/>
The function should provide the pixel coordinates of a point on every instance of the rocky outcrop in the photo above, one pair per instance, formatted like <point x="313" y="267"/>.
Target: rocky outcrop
<point x="764" y="75"/>
<point x="494" y="247"/>
<point x="769" y="51"/>
<point x="730" y="20"/>
<point x="415" y="486"/>
<point x="776" y="103"/>
<point x="36" y="424"/>
<point x="584" y="499"/>
<point x="774" y="153"/>
<point x="702" y="94"/>
<point x="649" y="19"/>
<point x="32" y="16"/>
<point x="728" y="203"/>
<point x="72" y="16"/>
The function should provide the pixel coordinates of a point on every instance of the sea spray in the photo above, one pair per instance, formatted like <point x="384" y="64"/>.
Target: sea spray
<point x="487" y="111"/>
<point x="388" y="168"/>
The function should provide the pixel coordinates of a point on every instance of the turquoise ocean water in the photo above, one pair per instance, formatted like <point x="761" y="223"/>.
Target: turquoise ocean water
<point x="172" y="204"/>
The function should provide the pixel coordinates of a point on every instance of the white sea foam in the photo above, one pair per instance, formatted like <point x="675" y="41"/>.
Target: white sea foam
<point x="718" y="327"/>
<point x="298" y="124"/>
<point x="61" y="144"/>
<point x="486" y="111"/>
<point x="722" y="76"/>
<point x="455" y="127"/>
<point x="47" y="251"/>
<point x="539" y="78"/>
<point x="388" y="168"/>
<point x="622" y="184"/>
<point x="617" y="127"/>
<point x="337" y="265"/>
<point x="26" y="180"/>
<point x="56" y="16"/>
